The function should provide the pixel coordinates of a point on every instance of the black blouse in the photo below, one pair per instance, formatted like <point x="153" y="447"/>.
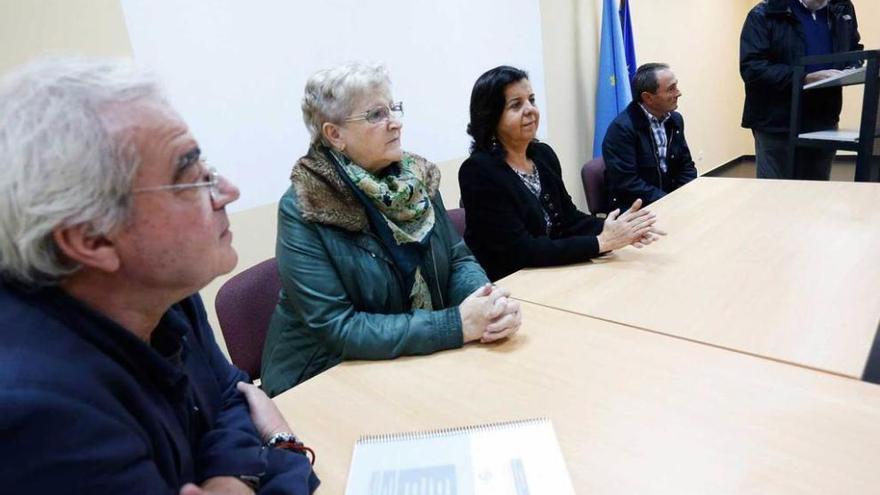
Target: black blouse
<point x="506" y="230"/>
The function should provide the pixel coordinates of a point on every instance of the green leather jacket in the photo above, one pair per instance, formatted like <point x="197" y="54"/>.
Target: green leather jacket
<point x="341" y="295"/>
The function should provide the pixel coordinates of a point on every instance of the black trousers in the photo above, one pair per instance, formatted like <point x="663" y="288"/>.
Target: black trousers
<point x="771" y="155"/>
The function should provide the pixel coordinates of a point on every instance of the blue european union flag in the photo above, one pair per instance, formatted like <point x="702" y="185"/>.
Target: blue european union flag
<point x="613" y="91"/>
<point x="629" y="47"/>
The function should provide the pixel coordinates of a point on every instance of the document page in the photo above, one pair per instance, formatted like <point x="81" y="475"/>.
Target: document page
<point x="846" y="76"/>
<point x="517" y="458"/>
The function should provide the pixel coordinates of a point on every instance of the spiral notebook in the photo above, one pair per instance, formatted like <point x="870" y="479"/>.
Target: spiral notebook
<point x="516" y="457"/>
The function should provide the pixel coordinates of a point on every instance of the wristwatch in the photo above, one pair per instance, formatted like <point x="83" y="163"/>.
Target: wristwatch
<point x="288" y="441"/>
<point x="280" y="438"/>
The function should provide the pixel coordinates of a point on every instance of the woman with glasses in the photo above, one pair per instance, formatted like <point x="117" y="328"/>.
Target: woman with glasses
<point x="370" y="264"/>
<point x="518" y="212"/>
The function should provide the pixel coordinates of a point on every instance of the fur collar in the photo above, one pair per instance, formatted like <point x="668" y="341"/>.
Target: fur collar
<point x="325" y="198"/>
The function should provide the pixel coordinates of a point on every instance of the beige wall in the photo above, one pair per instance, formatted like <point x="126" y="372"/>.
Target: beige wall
<point x="698" y="38"/>
<point x="31" y="28"/>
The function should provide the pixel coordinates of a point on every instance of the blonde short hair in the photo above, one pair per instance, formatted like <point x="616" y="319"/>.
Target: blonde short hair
<point x="331" y="94"/>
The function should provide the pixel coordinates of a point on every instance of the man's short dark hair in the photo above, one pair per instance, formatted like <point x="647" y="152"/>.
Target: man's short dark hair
<point x="646" y="79"/>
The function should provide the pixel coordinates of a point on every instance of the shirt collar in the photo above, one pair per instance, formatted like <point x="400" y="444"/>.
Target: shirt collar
<point x="652" y="118"/>
<point x="807" y="9"/>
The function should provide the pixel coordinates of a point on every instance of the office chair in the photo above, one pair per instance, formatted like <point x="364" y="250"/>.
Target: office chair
<point x="456" y="215"/>
<point x="593" y="177"/>
<point x="244" y="307"/>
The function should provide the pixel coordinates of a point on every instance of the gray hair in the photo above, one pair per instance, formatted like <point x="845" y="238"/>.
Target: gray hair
<point x="59" y="165"/>
<point x="646" y="80"/>
<point x="331" y="94"/>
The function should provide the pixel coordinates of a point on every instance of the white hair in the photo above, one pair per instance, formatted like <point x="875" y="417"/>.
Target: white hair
<point x="331" y="94"/>
<point x="59" y="166"/>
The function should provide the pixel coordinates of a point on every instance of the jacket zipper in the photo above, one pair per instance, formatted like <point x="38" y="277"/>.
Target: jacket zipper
<point x="399" y="277"/>
<point x="657" y="158"/>
<point x="391" y="264"/>
<point x="669" y="147"/>
<point x="436" y="275"/>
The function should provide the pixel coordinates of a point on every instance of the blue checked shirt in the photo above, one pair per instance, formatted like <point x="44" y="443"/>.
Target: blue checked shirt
<point x="658" y="130"/>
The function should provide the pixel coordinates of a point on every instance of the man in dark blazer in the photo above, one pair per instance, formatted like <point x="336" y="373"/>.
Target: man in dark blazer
<point x="110" y="223"/>
<point x="645" y="151"/>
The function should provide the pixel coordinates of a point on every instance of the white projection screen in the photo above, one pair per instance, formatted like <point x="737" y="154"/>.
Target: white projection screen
<point x="236" y="70"/>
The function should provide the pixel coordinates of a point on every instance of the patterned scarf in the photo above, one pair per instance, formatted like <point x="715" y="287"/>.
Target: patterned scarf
<point x="403" y="202"/>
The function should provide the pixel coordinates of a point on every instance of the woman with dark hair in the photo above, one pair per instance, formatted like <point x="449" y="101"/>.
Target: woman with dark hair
<point x="518" y="211"/>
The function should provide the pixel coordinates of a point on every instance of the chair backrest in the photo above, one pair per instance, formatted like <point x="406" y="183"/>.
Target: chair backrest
<point x="593" y="177"/>
<point x="244" y="307"/>
<point x="456" y="215"/>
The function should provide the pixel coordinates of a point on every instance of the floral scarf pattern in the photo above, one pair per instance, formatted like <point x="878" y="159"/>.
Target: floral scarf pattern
<point x="402" y="198"/>
<point x="405" y="205"/>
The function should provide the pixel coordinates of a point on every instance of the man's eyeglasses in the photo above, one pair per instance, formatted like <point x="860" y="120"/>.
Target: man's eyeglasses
<point x="213" y="185"/>
<point x="379" y="114"/>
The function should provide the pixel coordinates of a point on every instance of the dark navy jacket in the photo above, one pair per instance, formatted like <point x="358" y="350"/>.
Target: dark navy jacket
<point x="87" y="407"/>
<point x="632" y="162"/>
<point x="505" y="221"/>
<point x="771" y="41"/>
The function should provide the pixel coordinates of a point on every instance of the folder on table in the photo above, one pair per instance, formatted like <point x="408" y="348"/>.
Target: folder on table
<point x="516" y="457"/>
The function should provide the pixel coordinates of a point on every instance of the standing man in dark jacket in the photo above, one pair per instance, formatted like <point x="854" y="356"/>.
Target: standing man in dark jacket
<point x="110" y="222"/>
<point x="777" y="34"/>
<point x="645" y="152"/>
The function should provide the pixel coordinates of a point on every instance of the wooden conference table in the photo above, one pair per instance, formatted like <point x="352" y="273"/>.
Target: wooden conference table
<point x="634" y="411"/>
<point x="787" y="270"/>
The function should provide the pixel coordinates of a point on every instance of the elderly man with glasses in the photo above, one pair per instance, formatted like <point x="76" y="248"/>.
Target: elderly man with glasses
<point x="110" y="222"/>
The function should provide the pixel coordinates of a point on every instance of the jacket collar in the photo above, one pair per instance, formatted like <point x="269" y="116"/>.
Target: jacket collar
<point x="637" y="115"/>
<point x="640" y="120"/>
<point x="783" y="7"/>
<point x="159" y="362"/>
<point x="778" y="7"/>
<point x="325" y="198"/>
